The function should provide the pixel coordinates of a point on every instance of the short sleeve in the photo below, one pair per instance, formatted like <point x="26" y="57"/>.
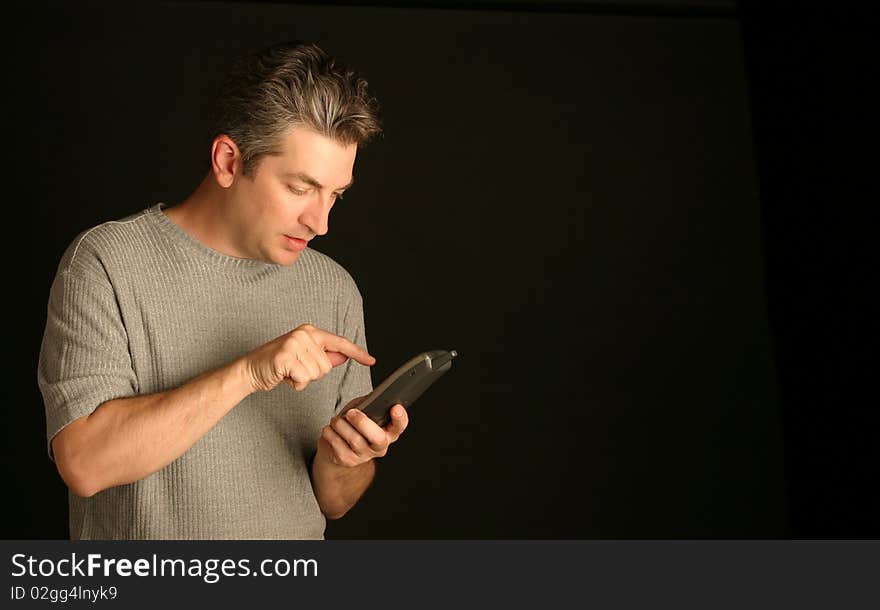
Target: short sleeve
<point x="84" y="357"/>
<point x="356" y="380"/>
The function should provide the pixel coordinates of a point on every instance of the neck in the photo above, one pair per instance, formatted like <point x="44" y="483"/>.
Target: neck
<point x="205" y="216"/>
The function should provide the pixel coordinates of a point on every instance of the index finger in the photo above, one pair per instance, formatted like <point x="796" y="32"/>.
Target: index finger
<point x="335" y="343"/>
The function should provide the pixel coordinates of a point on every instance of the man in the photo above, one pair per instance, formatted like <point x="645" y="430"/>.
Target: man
<point x="193" y="355"/>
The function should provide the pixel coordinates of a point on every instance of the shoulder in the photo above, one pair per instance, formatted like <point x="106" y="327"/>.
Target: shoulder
<point x="90" y="251"/>
<point x="327" y="270"/>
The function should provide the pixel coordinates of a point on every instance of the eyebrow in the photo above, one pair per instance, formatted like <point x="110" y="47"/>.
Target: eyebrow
<point x="311" y="181"/>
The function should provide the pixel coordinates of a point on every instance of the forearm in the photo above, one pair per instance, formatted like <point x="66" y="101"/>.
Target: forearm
<point x="127" y="439"/>
<point x="344" y="464"/>
<point x="338" y="488"/>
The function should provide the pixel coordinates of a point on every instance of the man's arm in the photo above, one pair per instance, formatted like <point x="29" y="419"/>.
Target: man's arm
<point x="127" y="439"/>
<point x="344" y="463"/>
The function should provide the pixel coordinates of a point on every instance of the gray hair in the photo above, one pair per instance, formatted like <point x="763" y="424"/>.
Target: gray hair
<point x="292" y="84"/>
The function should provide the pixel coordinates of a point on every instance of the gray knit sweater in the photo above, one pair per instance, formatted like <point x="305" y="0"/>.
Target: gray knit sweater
<point x="140" y="306"/>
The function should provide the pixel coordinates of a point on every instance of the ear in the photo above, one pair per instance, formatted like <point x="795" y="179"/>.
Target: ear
<point x="225" y="160"/>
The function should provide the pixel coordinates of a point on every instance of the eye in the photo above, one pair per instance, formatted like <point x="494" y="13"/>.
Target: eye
<point x="338" y="195"/>
<point x="296" y="191"/>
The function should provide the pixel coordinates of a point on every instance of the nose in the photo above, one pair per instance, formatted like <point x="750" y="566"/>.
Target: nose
<point x="316" y="215"/>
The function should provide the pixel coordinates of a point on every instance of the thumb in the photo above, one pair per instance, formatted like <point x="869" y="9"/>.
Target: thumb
<point x="336" y="358"/>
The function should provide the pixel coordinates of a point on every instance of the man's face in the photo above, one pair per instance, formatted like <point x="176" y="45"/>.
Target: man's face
<point x="287" y="200"/>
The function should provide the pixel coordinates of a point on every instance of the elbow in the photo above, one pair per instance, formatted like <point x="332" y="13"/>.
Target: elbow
<point x="81" y="489"/>
<point x="334" y="515"/>
<point x="73" y="468"/>
<point x="78" y="482"/>
<point x="332" y="510"/>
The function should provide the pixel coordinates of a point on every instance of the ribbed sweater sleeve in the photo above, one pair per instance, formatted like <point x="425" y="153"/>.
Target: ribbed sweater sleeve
<point x="84" y="359"/>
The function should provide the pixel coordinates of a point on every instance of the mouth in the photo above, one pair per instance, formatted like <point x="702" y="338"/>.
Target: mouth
<point x="296" y="243"/>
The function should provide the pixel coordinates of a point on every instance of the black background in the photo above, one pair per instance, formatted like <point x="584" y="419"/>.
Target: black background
<point x="646" y="227"/>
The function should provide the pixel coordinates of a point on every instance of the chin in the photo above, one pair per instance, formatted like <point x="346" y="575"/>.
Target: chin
<point x="286" y="258"/>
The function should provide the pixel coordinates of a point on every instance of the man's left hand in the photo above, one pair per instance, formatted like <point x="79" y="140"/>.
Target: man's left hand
<point x="353" y="439"/>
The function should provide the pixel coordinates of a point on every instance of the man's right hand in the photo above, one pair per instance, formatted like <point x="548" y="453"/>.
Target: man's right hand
<point x="299" y="357"/>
